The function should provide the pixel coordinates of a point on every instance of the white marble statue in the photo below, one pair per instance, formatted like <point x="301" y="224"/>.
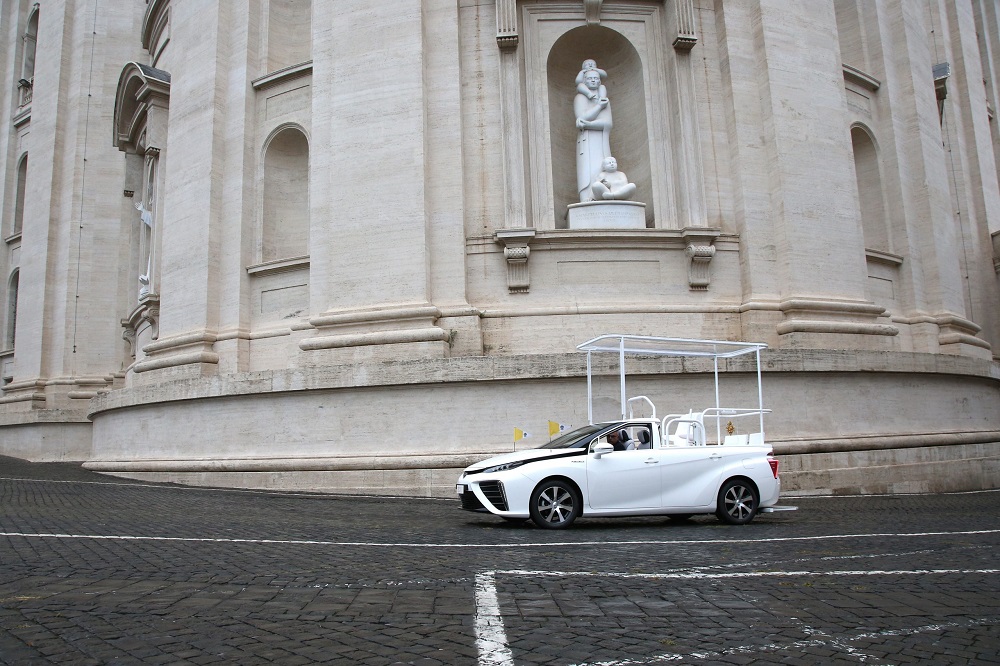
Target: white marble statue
<point x="144" y="245"/>
<point x="612" y="184"/>
<point x="593" y="120"/>
<point x="581" y="87"/>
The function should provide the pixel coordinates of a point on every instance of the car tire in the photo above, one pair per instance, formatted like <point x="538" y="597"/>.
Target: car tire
<point x="738" y="502"/>
<point x="555" y="504"/>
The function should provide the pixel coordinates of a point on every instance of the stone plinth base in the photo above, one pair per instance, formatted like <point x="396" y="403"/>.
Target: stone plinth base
<point x="607" y="215"/>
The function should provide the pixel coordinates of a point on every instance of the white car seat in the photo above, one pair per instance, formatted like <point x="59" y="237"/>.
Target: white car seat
<point x="690" y="431"/>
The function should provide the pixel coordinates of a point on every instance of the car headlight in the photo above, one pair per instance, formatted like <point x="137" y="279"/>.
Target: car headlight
<point x="504" y="467"/>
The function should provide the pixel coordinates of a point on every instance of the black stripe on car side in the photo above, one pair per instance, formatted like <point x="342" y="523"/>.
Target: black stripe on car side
<point x="571" y="453"/>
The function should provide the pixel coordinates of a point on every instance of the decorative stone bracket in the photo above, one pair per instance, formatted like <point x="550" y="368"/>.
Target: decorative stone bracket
<point x="592" y="11"/>
<point x="700" y="250"/>
<point x="516" y="253"/>
<point x="507" y="37"/>
<point x="687" y="35"/>
<point x="147" y="313"/>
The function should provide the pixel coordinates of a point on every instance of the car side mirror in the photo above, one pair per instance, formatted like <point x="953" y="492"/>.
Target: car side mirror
<point x="601" y="449"/>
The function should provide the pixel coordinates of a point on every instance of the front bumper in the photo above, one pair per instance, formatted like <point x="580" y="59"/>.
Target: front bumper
<point x="482" y="496"/>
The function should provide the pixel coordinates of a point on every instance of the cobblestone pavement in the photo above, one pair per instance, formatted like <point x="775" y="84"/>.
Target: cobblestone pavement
<point x="98" y="570"/>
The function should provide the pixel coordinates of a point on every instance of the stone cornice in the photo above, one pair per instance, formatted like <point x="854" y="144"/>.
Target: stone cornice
<point x="859" y="78"/>
<point x="285" y="74"/>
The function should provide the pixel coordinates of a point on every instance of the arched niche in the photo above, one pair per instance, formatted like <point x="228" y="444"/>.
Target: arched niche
<point x="10" y="320"/>
<point x="615" y="54"/>
<point x="871" y="196"/>
<point x="22" y="179"/>
<point x="285" y="205"/>
<point x="28" y="46"/>
<point x="141" y="105"/>
<point x="289" y="33"/>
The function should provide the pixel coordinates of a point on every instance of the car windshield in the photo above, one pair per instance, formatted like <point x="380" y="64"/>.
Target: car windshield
<point x="574" y="438"/>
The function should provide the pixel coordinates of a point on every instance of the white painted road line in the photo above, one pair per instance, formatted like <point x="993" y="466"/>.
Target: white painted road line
<point x="702" y="575"/>
<point x="491" y="637"/>
<point x="505" y="546"/>
<point x="796" y="646"/>
<point x="494" y="650"/>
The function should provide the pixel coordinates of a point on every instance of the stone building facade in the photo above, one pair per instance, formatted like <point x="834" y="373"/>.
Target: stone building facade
<point x="325" y="245"/>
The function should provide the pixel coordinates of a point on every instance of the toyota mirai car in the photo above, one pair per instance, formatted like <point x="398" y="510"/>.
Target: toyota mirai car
<point x="623" y="468"/>
<point x="673" y="466"/>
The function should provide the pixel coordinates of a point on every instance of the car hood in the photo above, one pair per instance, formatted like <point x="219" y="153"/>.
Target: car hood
<point x="528" y="454"/>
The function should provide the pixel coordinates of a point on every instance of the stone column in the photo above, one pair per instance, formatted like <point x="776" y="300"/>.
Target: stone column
<point x="936" y="306"/>
<point x="805" y="269"/>
<point x="369" y="269"/>
<point x="752" y="207"/>
<point x="67" y="344"/>
<point x="445" y="183"/>
<point x="689" y="178"/>
<point x="193" y="198"/>
<point x="967" y="129"/>
<point x="511" y="116"/>
<point x="238" y="200"/>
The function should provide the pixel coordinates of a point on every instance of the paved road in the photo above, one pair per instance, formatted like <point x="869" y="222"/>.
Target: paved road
<point x="98" y="570"/>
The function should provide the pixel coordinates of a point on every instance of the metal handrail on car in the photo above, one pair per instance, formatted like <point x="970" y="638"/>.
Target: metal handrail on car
<point x="631" y="409"/>
<point x="671" y="419"/>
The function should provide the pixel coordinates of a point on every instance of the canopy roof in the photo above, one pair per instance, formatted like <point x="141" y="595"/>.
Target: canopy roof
<point x="654" y="346"/>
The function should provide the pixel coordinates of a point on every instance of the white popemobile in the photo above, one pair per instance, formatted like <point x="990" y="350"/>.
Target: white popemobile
<point x="673" y="466"/>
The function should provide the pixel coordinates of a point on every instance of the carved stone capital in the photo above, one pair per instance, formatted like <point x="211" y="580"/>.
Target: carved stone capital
<point x="507" y="37"/>
<point x="687" y="35"/>
<point x="700" y="250"/>
<point x="516" y="253"/>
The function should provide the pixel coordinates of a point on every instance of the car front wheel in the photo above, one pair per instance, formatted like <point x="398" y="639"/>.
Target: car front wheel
<point x="737" y="503"/>
<point x="554" y="504"/>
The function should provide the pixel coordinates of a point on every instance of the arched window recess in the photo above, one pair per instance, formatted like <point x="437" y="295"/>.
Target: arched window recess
<point x="141" y="105"/>
<point x="26" y="82"/>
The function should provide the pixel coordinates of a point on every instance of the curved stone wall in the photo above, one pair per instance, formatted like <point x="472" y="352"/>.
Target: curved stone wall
<point x="841" y="422"/>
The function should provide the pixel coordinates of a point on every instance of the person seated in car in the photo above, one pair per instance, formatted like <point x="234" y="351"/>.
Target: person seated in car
<point x="616" y="440"/>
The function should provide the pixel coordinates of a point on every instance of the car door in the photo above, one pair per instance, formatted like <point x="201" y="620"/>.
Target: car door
<point x="624" y="480"/>
<point x="689" y="475"/>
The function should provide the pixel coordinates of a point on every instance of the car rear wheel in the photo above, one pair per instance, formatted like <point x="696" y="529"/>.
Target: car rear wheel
<point x="554" y="504"/>
<point x="737" y="503"/>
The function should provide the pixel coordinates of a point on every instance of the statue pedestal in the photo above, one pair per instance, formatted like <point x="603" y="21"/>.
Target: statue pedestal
<point x="607" y="215"/>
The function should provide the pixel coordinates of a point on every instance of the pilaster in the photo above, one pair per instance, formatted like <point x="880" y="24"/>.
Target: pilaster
<point x="972" y="164"/>
<point x="193" y="210"/>
<point x="511" y="116"/>
<point x="928" y="231"/>
<point x="818" y="243"/>
<point x="370" y="286"/>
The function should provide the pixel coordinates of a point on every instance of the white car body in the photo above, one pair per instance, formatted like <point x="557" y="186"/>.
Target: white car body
<point x="671" y="466"/>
